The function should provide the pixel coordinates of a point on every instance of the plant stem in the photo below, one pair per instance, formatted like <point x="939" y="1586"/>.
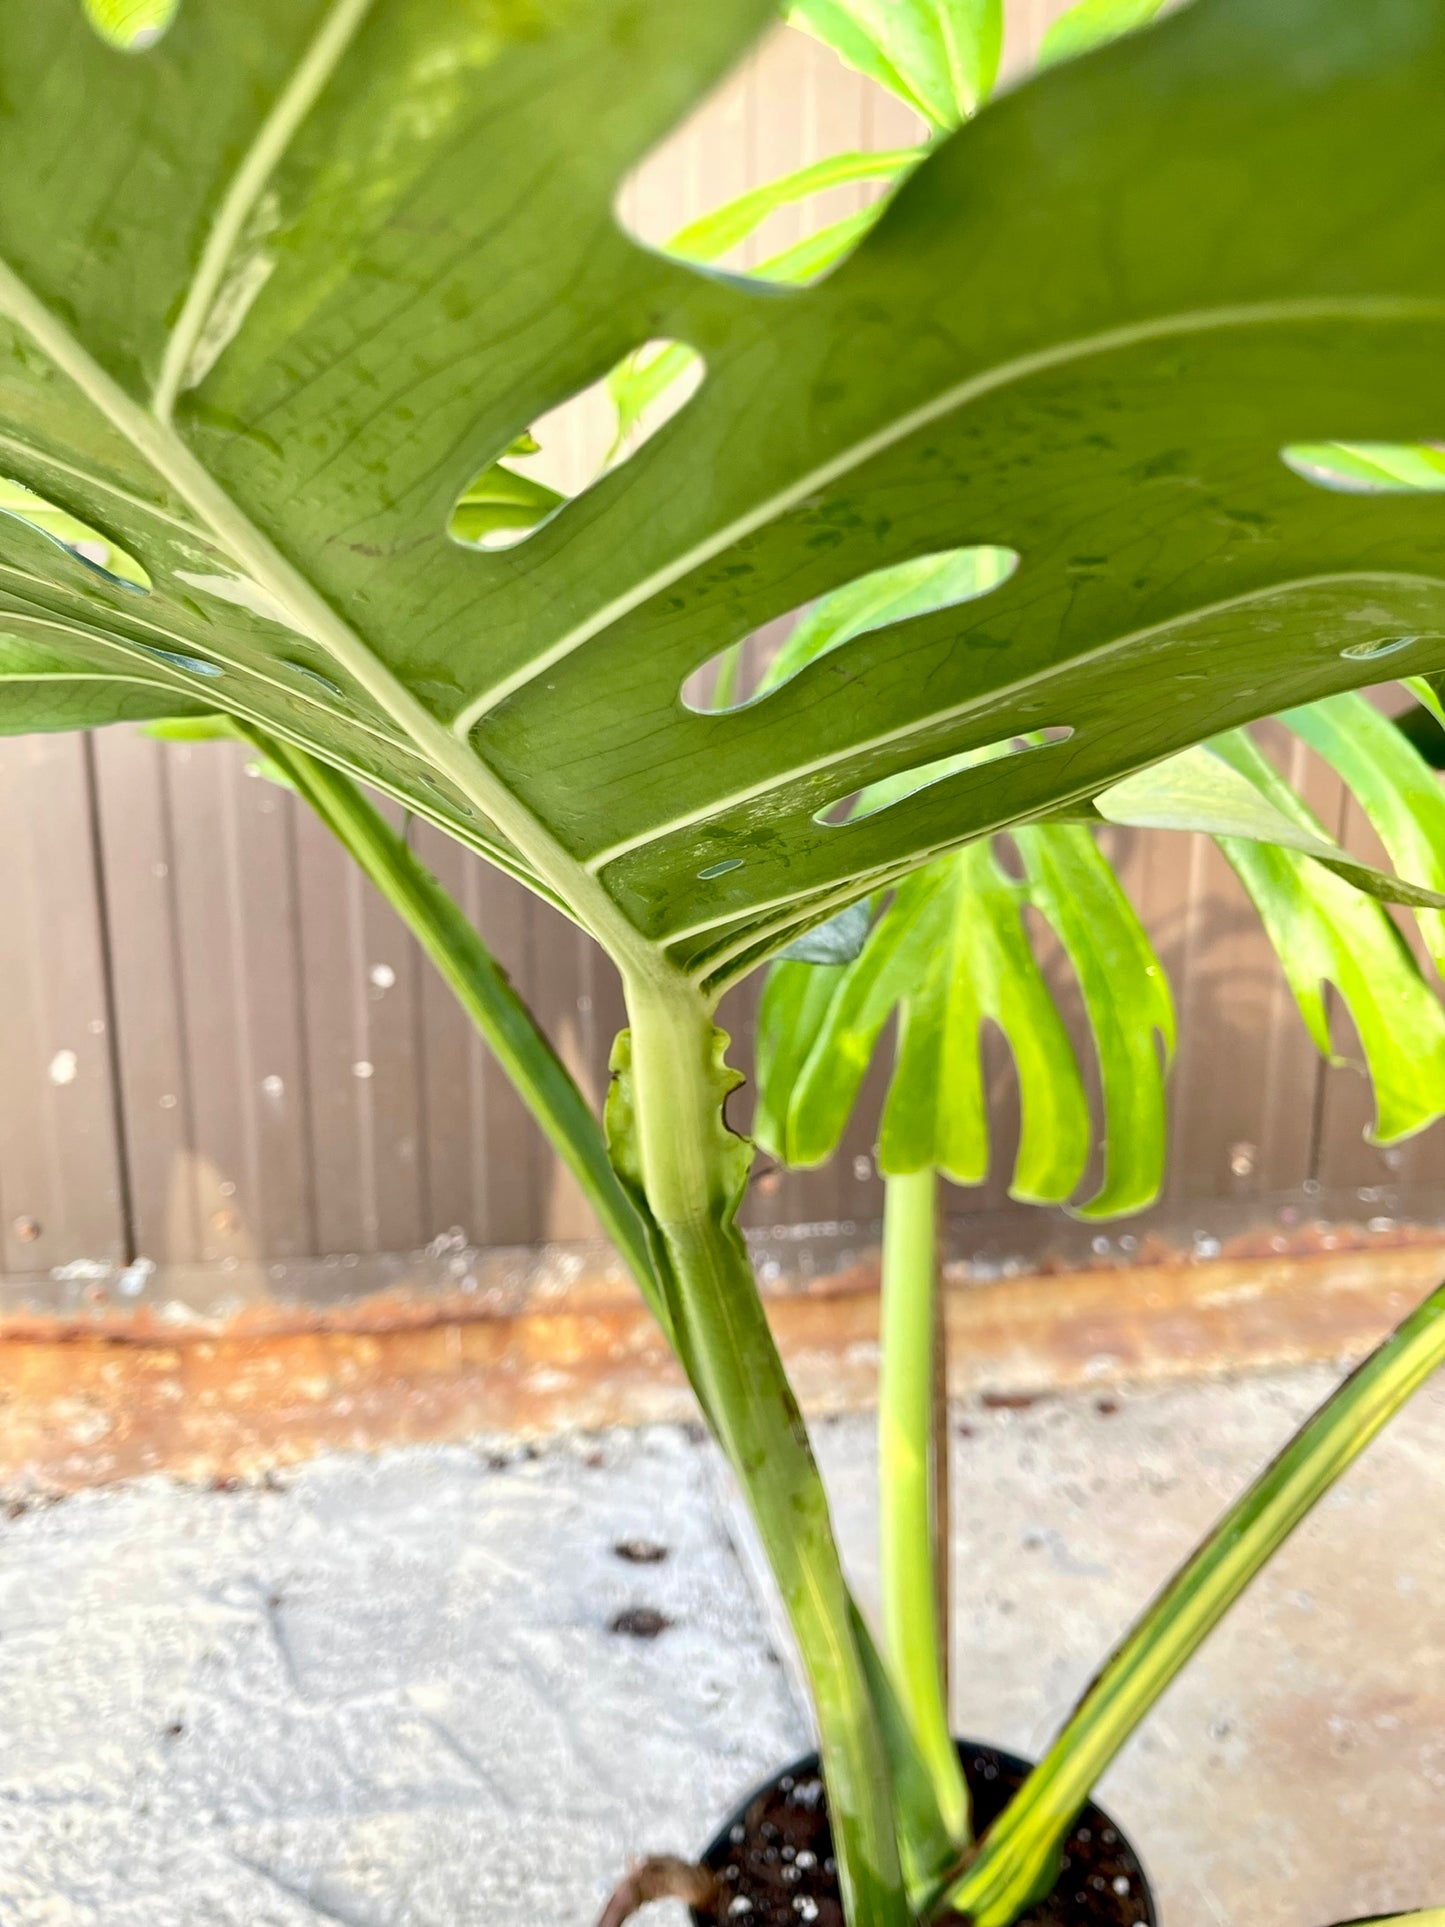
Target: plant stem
<point x="1017" y="1861"/>
<point x="480" y="986"/>
<point x="670" y="1136"/>
<point x="912" y="1533"/>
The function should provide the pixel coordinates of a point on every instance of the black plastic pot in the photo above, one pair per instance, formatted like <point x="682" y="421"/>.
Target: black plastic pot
<point x="773" y="1855"/>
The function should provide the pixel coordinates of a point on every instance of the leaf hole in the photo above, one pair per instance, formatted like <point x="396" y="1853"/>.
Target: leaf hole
<point x="305" y="670"/>
<point x="727" y="865"/>
<point x="746" y="672"/>
<point x="131" y="25"/>
<point x="99" y="553"/>
<point x="1384" y="646"/>
<point x="1008" y="858"/>
<point x="813" y="209"/>
<point x="891" y="790"/>
<point x="570" y="448"/>
<point x="177" y="659"/>
<point x="1369" y="468"/>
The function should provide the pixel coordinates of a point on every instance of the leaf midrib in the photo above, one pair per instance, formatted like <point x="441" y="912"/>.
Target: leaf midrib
<point x="312" y="616"/>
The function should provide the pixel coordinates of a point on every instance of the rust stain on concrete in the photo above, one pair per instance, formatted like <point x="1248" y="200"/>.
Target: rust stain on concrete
<point x="84" y="1403"/>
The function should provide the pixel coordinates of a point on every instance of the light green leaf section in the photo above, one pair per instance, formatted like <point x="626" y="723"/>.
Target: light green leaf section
<point x="1090" y="23"/>
<point x="1204" y="789"/>
<point x="949" y="954"/>
<point x="1426" y="1917"/>
<point x="644" y="377"/>
<point x="940" y="56"/>
<point x="1370" y="468"/>
<point x="1395" y="787"/>
<point x="1126" y="1000"/>
<point x="131" y="23"/>
<point x="503" y="499"/>
<point x="723" y="228"/>
<point x="1017" y="1862"/>
<point x="1329" y="934"/>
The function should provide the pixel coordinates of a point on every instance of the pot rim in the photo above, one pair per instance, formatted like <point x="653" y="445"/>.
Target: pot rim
<point x="808" y="1765"/>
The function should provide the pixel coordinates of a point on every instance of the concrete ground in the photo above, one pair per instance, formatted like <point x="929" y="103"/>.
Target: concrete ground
<point x="427" y="1690"/>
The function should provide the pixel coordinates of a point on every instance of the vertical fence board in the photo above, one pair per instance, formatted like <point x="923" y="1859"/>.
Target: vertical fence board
<point x="153" y="1061"/>
<point x="359" y="983"/>
<point x="236" y="896"/>
<point x="486" y="1157"/>
<point x="60" y="1159"/>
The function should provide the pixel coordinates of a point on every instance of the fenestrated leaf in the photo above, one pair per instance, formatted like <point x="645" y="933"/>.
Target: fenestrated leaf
<point x="269" y="372"/>
<point x="949" y="954"/>
<point x="876" y="601"/>
<point x="1327" y="933"/>
<point x="940" y="56"/>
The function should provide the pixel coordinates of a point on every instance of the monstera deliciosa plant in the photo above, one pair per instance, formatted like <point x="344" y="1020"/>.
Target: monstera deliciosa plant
<point x="273" y="337"/>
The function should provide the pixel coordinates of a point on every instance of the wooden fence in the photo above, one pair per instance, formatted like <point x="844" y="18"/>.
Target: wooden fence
<point x="218" y="1045"/>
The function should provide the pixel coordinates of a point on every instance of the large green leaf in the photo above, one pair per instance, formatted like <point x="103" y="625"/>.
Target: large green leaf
<point x="947" y="973"/>
<point x="316" y="266"/>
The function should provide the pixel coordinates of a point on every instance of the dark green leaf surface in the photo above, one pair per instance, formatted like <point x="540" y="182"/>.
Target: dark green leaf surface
<point x="316" y="266"/>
